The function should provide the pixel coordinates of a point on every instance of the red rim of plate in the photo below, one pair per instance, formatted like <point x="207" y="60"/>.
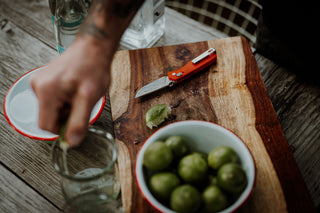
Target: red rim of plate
<point x="36" y="137"/>
<point x="156" y="208"/>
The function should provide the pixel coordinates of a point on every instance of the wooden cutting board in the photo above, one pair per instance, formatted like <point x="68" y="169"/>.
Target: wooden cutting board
<point x="230" y="93"/>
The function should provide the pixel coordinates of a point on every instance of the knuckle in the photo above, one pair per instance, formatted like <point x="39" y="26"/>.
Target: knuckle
<point x="68" y="85"/>
<point x="44" y="87"/>
<point x="88" y="92"/>
<point x="69" y="82"/>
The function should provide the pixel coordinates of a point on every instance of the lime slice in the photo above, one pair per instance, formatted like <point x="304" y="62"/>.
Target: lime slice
<point x="62" y="143"/>
<point x="157" y="114"/>
<point x="64" y="146"/>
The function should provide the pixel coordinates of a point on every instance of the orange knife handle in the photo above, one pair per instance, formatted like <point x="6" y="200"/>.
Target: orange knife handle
<point x="192" y="68"/>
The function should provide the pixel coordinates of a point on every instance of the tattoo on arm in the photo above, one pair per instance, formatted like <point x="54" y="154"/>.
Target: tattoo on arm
<point x="96" y="32"/>
<point x="90" y="28"/>
<point x="120" y="8"/>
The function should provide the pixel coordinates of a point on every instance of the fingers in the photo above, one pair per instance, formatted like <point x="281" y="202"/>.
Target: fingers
<point x="49" y="105"/>
<point x="78" y="121"/>
<point x="48" y="116"/>
<point x="69" y="81"/>
<point x="65" y="99"/>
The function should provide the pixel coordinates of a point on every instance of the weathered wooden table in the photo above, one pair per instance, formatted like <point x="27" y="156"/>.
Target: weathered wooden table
<point x="28" y="182"/>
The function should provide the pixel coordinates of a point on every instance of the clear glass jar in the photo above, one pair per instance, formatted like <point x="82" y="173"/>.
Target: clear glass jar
<point x="89" y="172"/>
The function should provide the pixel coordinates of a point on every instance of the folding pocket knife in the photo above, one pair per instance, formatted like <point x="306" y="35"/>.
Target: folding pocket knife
<point x="192" y="67"/>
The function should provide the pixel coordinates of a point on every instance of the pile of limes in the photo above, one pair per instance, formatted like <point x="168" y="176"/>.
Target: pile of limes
<point x="189" y="181"/>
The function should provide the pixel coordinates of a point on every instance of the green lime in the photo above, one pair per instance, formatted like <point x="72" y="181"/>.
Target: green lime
<point x="162" y="184"/>
<point x="213" y="198"/>
<point x="232" y="178"/>
<point x="192" y="168"/>
<point x="201" y="154"/>
<point x="221" y="155"/>
<point x="185" y="198"/>
<point x="178" y="145"/>
<point x="157" y="114"/>
<point x="157" y="156"/>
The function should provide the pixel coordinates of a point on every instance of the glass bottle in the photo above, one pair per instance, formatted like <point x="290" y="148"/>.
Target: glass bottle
<point x="68" y="17"/>
<point x="52" y="5"/>
<point x="145" y="30"/>
<point x="147" y="26"/>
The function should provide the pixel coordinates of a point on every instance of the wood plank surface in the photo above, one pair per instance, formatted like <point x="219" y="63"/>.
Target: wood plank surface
<point x="23" y="52"/>
<point x="27" y="41"/>
<point x="13" y="189"/>
<point x="296" y="103"/>
<point x="31" y="16"/>
<point x="233" y="90"/>
<point x="230" y="93"/>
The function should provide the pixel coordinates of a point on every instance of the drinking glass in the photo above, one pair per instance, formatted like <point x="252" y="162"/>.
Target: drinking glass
<point x="89" y="172"/>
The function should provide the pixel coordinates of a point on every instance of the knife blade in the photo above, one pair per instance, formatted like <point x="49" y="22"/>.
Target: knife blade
<point x="192" y="67"/>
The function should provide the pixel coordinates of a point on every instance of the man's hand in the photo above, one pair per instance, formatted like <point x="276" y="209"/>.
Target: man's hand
<point x="81" y="75"/>
<point x="76" y="81"/>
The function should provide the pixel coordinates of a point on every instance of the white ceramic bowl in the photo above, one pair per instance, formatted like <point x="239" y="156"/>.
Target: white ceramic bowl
<point x="21" y="109"/>
<point x="201" y="136"/>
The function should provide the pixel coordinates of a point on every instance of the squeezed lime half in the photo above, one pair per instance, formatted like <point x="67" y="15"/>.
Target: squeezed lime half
<point x="62" y="142"/>
<point x="157" y="114"/>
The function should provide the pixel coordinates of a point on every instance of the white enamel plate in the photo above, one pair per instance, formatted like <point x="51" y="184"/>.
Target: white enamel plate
<point x="21" y="109"/>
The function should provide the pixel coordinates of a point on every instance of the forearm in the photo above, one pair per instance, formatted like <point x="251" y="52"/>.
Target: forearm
<point x="106" y="22"/>
<point x="69" y="80"/>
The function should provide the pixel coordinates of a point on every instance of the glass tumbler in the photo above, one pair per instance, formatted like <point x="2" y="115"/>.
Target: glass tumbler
<point x="89" y="172"/>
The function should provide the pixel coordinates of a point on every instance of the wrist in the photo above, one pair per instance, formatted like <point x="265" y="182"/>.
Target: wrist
<point x="107" y="20"/>
<point x="95" y="47"/>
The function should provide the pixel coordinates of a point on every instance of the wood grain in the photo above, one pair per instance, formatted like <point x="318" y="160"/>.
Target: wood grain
<point x="31" y="16"/>
<point x="27" y="41"/>
<point x="269" y="128"/>
<point x="14" y="189"/>
<point x="230" y="93"/>
<point x="296" y="103"/>
<point x="18" y="152"/>
<point x="233" y="103"/>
